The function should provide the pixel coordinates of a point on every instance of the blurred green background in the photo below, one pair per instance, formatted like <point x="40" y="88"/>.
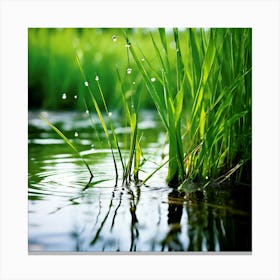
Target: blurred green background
<point x="53" y="70"/>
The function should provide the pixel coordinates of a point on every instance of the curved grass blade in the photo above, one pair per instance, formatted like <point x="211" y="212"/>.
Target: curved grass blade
<point x="100" y="116"/>
<point x="67" y="141"/>
<point x="155" y="171"/>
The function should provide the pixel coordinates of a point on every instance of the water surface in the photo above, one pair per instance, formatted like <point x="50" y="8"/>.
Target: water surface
<point x="68" y="215"/>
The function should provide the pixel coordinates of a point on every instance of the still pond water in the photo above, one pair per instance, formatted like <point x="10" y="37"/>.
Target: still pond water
<point x="66" y="217"/>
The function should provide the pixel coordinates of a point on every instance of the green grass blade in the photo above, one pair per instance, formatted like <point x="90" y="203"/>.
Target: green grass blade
<point x="100" y="116"/>
<point x="67" y="141"/>
<point x="205" y="71"/>
<point x="154" y="172"/>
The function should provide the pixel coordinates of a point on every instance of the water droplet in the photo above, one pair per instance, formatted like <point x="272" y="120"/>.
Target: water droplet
<point x="44" y="114"/>
<point x="142" y="59"/>
<point x="76" y="134"/>
<point x="114" y="38"/>
<point x="172" y="45"/>
<point x="86" y="83"/>
<point x="206" y="177"/>
<point x="153" y="79"/>
<point x="75" y="96"/>
<point x="96" y="78"/>
<point x="64" y="96"/>
<point x="127" y="45"/>
<point x="133" y="83"/>
<point x="110" y="114"/>
<point x="128" y="71"/>
<point x="87" y="111"/>
<point x="92" y="146"/>
<point x="177" y="50"/>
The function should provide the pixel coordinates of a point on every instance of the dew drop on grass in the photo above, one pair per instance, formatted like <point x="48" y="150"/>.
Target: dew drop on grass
<point x="153" y="79"/>
<point x="206" y="177"/>
<point x="114" y="38"/>
<point x="64" y="96"/>
<point x="86" y="83"/>
<point x="87" y="111"/>
<point x="133" y="83"/>
<point x="172" y="45"/>
<point x="96" y="78"/>
<point x="75" y="96"/>
<point x="92" y="146"/>
<point x="110" y="114"/>
<point x="44" y="114"/>
<point x="142" y="59"/>
<point x="76" y="134"/>
<point x="127" y="45"/>
<point x="128" y="71"/>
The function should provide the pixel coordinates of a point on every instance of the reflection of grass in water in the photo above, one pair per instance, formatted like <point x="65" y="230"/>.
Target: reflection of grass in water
<point x="214" y="224"/>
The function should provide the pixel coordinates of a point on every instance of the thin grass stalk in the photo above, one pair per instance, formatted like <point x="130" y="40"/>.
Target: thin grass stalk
<point x="225" y="116"/>
<point x="68" y="142"/>
<point x="169" y="106"/>
<point x="115" y="138"/>
<point x="132" y="113"/>
<point x="91" y="121"/>
<point x="96" y="106"/>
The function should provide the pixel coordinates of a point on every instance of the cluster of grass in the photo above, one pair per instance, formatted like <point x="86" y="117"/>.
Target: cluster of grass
<point x="131" y="104"/>
<point x="211" y="87"/>
<point x="200" y="83"/>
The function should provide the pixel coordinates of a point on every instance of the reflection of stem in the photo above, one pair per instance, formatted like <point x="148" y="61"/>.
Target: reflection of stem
<point x="172" y="240"/>
<point x="153" y="240"/>
<point x="198" y="222"/>
<point x="174" y="216"/>
<point x="133" y="230"/>
<point x="104" y="220"/>
<point x="115" y="214"/>
<point x="73" y="202"/>
<point x="99" y="211"/>
<point x="175" y="210"/>
<point x="159" y="215"/>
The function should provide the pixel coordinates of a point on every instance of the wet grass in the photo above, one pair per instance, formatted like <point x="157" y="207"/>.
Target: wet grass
<point x="168" y="104"/>
<point x="211" y="87"/>
<point x="199" y="80"/>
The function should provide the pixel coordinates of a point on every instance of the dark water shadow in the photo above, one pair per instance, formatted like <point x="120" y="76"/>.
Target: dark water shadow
<point x="219" y="219"/>
<point x="172" y="241"/>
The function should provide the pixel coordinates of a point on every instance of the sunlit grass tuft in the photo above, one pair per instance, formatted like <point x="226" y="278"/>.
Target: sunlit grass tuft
<point x="205" y="105"/>
<point x="200" y="84"/>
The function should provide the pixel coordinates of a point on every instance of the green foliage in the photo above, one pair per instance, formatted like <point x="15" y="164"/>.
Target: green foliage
<point x="168" y="103"/>
<point x="111" y="138"/>
<point x="212" y="88"/>
<point x="199" y="80"/>
<point x="131" y="105"/>
<point x="52" y="69"/>
<point x="131" y="114"/>
<point x="220" y="120"/>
